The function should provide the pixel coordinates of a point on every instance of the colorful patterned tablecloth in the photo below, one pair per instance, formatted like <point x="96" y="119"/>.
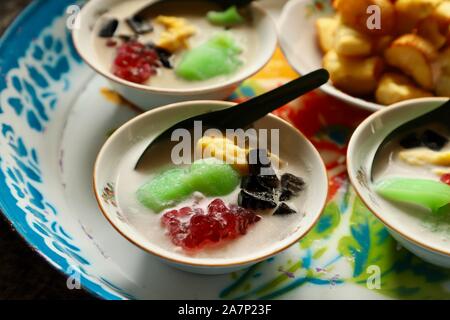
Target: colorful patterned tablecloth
<point x="347" y="233"/>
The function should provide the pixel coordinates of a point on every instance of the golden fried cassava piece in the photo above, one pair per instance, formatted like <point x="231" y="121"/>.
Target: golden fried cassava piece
<point x="413" y="54"/>
<point x="410" y="12"/>
<point x="429" y="30"/>
<point x="354" y="14"/>
<point x="442" y="13"/>
<point x="354" y="76"/>
<point x="381" y="43"/>
<point x="326" y="32"/>
<point x="352" y="43"/>
<point x="394" y="87"/>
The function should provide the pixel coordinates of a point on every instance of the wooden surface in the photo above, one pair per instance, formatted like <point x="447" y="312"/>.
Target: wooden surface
<point x="24" y="274"/>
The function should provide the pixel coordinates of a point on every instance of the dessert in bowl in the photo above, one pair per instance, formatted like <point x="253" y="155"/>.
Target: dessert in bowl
<point x="160" y="52"/>
<point x="408" y="189"/>
<point x="226" y="210"/>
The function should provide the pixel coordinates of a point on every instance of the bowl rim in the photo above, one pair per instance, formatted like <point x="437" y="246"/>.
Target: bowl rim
<point x="327" y="87"/>
<point x="240" y="261"/>
<point x="241" y="76"/>
<point x="351" y="147"/>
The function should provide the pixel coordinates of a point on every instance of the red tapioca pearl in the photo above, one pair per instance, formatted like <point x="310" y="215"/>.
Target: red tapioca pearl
<point x="186" y="211"/>
<point x="170" y="215"/>
<point x="135" y="62"/>
<point x="229" y="225"/>
<point x="217" y="206"/>
<point x="125" y="60"/>
<point x="174" y="226"/>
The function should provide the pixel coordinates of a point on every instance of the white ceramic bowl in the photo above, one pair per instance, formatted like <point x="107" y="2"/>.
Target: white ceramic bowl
<point x="406" y="227"/>
<point x="148" y="97"/>
<point x="298" y="40"/>
<point x="139" y="131"/>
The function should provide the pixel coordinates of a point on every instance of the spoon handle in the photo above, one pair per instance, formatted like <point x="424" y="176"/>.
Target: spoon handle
<point x="228" y="3"/>
<point x="254" y="109"/>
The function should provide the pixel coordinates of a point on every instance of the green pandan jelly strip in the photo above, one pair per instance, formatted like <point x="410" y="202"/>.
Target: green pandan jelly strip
<point x="229" y="17"/>
<point x="427" y="193"/>
<point x="212" y="177"/>
<point x="165" y="190"/>
<point x="217" y="56"/>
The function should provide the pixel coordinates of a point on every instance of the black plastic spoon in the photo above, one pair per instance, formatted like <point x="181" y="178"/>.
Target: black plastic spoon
<point x="439" y="115"/>
<point x="246" y="113"/>
<point x="147" y="9"/>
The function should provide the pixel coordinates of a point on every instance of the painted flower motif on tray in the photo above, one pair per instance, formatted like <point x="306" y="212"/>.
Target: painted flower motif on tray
<point x="33" y="86"/>
<point x="108" y="194"/>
